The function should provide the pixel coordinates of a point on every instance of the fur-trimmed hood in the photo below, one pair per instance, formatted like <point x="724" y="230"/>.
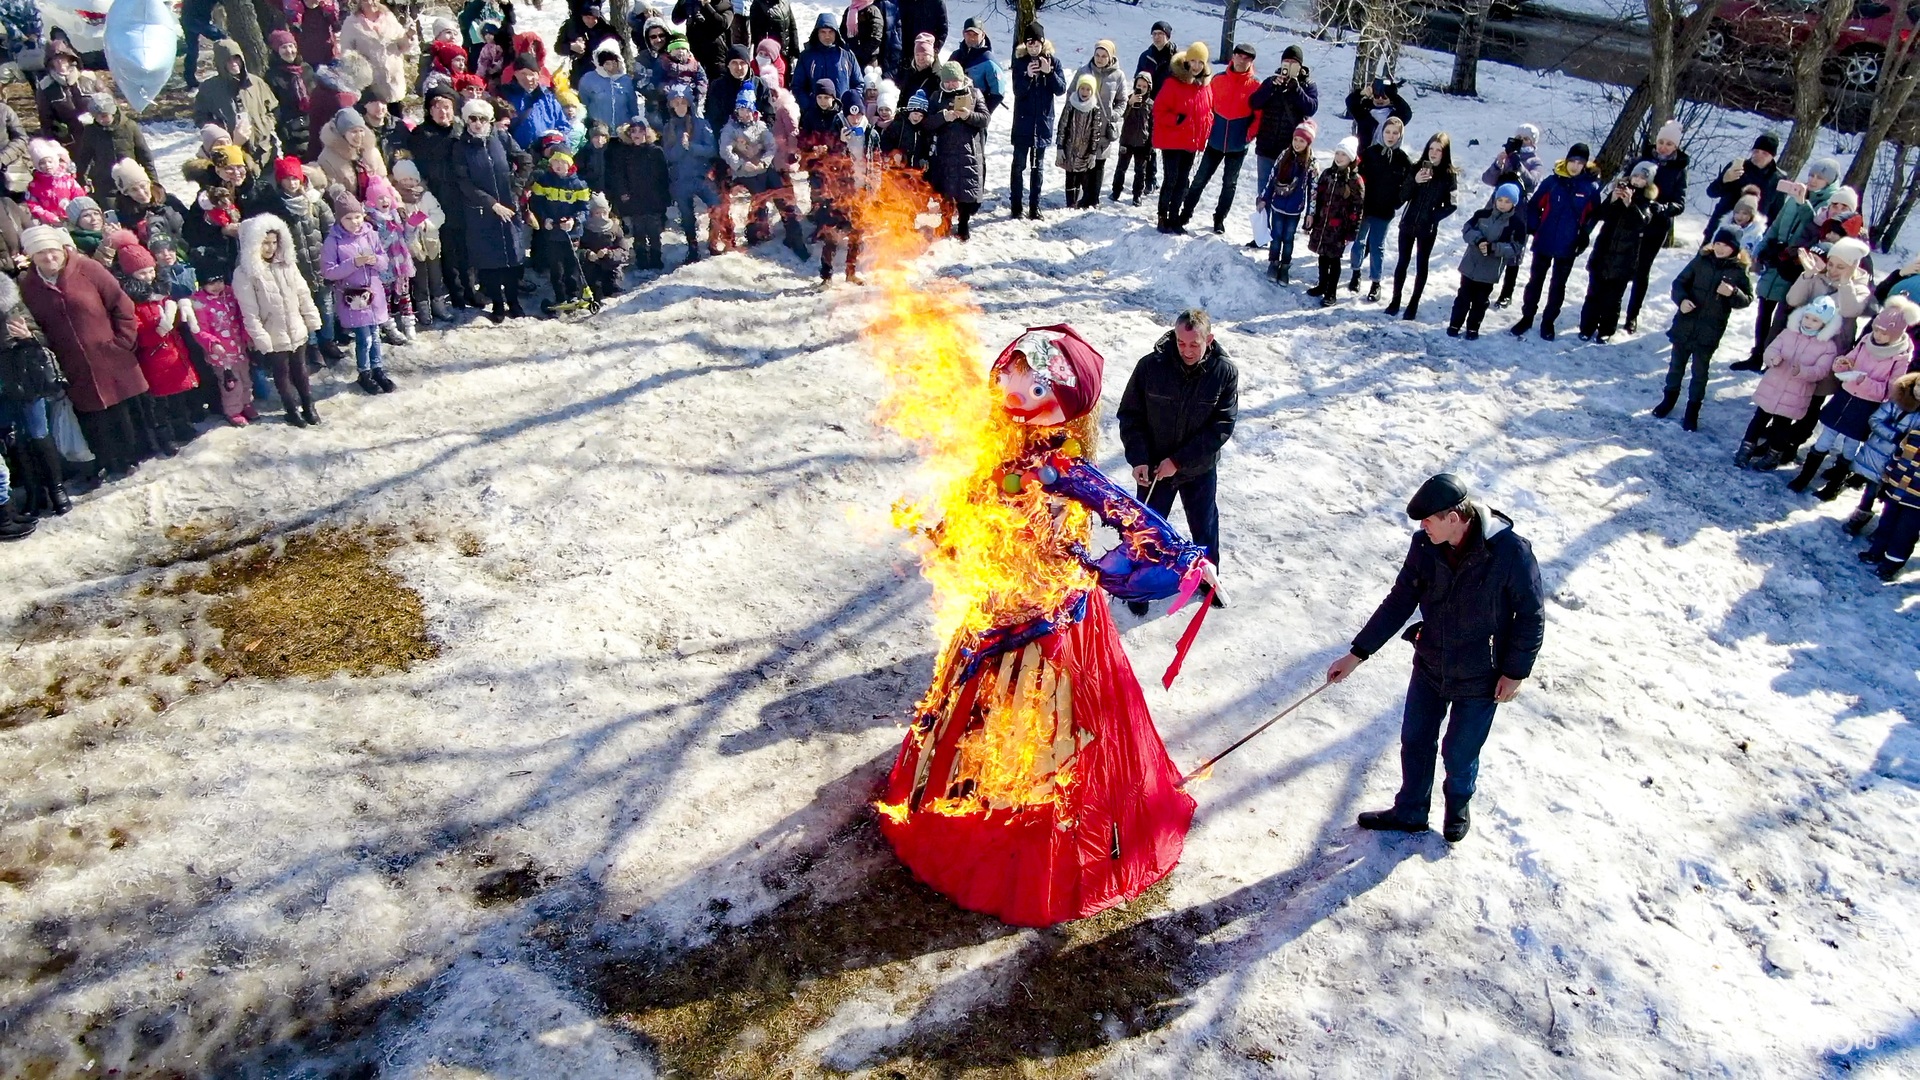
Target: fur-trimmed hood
<point x="1822" y="307"/>
<point x="1905" y="391"/>
<point x="9" y="296"/>
<point x="351" y="73"/>
<point x="253" y="232"/>
<point x="1020" y="51"/>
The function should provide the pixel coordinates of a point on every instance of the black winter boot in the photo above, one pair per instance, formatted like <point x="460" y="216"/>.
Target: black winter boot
<point x="1388" y="821"/>
<point x="1836" y="481"/>
<point x="1393" y="307"/>
<point x="1373" y="295"/>
<point x="1458" y="821"/>
<point x="1525" y="324"/>
<point x="293" y="415"/>
<point x="1353" y="283"/>
<point x="52" y="469"/>
<point x="1751" y="363"/>
<point x="1412" y="312"/>
<point x="1858" y="521"/>
<point x="1691" y="421"/>
<point x="1667" y="402"/>
<point x="15" y="525"/>
<point x="1744" y="456"/>
<point x="1807" y="471"/>
<point x="307" y="411"/>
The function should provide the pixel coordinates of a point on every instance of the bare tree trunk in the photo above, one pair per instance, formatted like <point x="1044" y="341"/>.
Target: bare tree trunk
<point x="1896" y="188"/>
<point x="1660" y="89"/>
<point x="1022" y="18"/>
<point x="1809" y="92"/>
<point x="1899" y="71"/>
<point x="1227" y="24"/>
<point x="1663" y="75"/>
<point x="1897" y="220"/>
<point x="1466" y="50"/>
<point x="243" y="26"/>
<point x="620" y="12"/>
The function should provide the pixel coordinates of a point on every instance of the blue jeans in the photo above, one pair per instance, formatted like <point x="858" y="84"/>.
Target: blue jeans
<point x="196" y="22"/>
<point x="1373" y="240"/>
<point x="1420" y="731"/>
<point x="30" y="416"/>
<point x="1197" y="496"/>
<point x="366" y="348"/>
<point x="1280" y="249"/>
<point x="690" y="221"/>
<point x="1263" y="171"/>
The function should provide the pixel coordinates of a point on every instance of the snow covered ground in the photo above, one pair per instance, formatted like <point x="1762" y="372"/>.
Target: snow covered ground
<point x="675" y="648"/>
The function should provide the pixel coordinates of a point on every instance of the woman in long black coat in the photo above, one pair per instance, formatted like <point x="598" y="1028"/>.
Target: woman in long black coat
<point x="484" y="162"/>
<point x="958" y="169"/>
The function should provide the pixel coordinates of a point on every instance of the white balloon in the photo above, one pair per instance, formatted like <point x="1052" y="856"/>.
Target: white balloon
<point x="143" y="37"/>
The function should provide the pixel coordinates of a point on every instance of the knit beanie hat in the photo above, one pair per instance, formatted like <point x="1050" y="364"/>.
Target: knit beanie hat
<point x="1509" y="191"/>
<point x="212" y="135"/>
<point x="889" y="97"/>
<point x="1820" y="307"/>
<point x="405" y="169"/>
<point x="1035" y="31"/>
<point x="739" y="52"/>
<point x="79" y="206"/>
<point x="949" y="71"/>
<point x="918" y="102"/>
<point x="1308" y="128"/>
<point x="1728" y="235"/>
<point x="1198" y="51"/>
<point x="127" y="172"/>
<point x="133" y="258"/>
<point x="1646" y="169"/>
<point x="477" y="109"/>
<point x="1899" y="314"/>
<point x="1579" y="150"/>
<point x="744" y="99"/>
<point x="560" y="162"/>
<point x="378" y="186"/>
<point x="599" y="202"/>
<point x="40" y="238"/>
<point x="1848" y="250"/>
<point x="1349" y="146"/>
<point x="676" y="42"/>
<point x="1293" y="53"/>
<point x="101" y="104"/>
<point x="343" y="202"/>
<point x="1827" y="167"/>
<point x="279" y="38"/>
<point x="158" y="239"/>
<point x="288" y="168"/>
<point x="228" y="155"/>
<point x="1671" y="131"/>
<point x="1527" y="131"/>
<point x="1768" y="141"/>
<point x="1844" y="196"/>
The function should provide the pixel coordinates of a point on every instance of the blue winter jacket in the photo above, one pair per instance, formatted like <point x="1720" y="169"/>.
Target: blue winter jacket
<point x="1033" y="97"/>
<point x="835" y="62"/>
<point x="536" y="112"/>
<point x="983" y="70"/>
<point x="1561" y="213"/>
<point x="611" y="101"/>
<point x="690" y="167"/>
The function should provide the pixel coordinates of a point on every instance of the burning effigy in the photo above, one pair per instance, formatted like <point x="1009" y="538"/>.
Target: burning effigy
<point x="1032" y="784"/>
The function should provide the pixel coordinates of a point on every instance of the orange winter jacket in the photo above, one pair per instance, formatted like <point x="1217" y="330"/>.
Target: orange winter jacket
<point x="1234" y="117"/>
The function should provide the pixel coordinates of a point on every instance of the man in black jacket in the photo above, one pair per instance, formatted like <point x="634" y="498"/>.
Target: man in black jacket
<point x="1178" y="410"/>
<point x="1476" y="584"/>
<point x="1156" y="60"/>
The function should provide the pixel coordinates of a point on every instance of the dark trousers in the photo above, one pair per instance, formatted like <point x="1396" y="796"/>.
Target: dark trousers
<point x="1803" y="428"/>
<point x="453" y="260"/>
<point x="1211" y="160"/>
<point x="1545" y="266"/>
<point x="196" y="22"/>
<point x="429" y="283"/>
<point x="111" y="434"/>
<point x="1600" y="315"/>
<point x="1417" y="244"/>
<point x="1763" y="325"/>
<point x="600" y="276"/>
<point x="1696" y="356"/>
<point x="1141" y="158"/>
<point x="1766" y="430"/>
<point x="1508" y="280"/>
<point x="553" y="249"/>
<point x="290" y="379"/>
<point x="1173" y="186"/>
<point x="1651" y="242"/>
<point x="1029" y="166"/>
<point x="1197" y="496"/>
<point x="1470" y="304"/>
<point x="1330" y="270"/>
<point x="1083" y="189"/>
<point x="1420" y="735"/>
<point x="1899" y="530"/>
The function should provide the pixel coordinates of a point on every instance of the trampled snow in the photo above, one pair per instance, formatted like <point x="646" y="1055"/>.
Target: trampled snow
<point x="676" y="649"/>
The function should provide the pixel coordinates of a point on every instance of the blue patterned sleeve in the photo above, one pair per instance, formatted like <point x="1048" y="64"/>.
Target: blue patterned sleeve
<point x="1151" y="558"/>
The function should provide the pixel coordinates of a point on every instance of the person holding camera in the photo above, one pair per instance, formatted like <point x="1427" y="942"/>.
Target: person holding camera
<point x="1758" y="171"/>
<point x="1625" y="217"/>
<point x="1517" y="164"/>
<point x="1371" y="109"/>
<point x="1287" y="97"/>
<point x="1037" y="80"/>
<point x="1560" y="217"/>
<point x="1669" y="182"/>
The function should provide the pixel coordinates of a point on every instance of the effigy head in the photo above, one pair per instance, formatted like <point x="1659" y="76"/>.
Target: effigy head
<point x="1048" y="376"/>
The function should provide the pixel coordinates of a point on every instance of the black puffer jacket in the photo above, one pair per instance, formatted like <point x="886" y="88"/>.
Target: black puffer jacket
<point x="1386" y="171"/>
<point x="958" y="165"/>
<point x="1700" y="283"/>
<point x="1430" y="203"/>
<point x="1485" y="615"/>
<point x="1616" y="249"/>
<point x="774" y="19"/>
<point x="1173" y="410"/>
<point x="1283" y="103"/>
<point x="431" y="146"/>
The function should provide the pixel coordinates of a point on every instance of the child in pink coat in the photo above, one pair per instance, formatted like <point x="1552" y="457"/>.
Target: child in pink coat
<point x="223" y="341"/>
<point x="53" y="185"/>
<point x="1795" y="362"/>
<point x="389" y="221"/>
<point x="1865" y="373"/>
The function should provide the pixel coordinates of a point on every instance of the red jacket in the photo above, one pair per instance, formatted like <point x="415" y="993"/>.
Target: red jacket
<point x="1183" y="113"/>
<point x="1234" y="118"/>
<point x="163" y="357"/>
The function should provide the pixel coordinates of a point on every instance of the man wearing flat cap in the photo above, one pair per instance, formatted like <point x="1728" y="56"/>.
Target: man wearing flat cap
<point x="1477" y="587"/>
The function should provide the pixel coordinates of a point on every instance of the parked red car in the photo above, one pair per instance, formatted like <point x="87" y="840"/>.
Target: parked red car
<point x="1768" y="30"/>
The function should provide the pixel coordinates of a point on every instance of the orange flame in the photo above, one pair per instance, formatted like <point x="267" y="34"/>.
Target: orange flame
<point x="993" y="557"/>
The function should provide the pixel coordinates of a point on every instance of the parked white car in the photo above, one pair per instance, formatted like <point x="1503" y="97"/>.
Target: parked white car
<point x="82" y="22"/>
